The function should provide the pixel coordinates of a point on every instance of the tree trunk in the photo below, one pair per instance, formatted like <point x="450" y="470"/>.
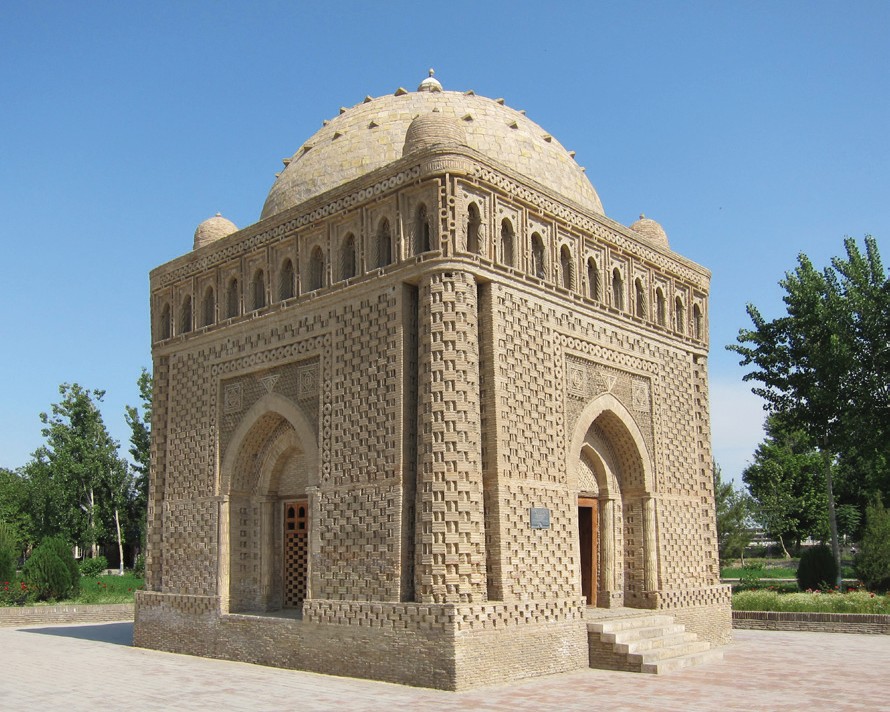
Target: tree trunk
<point x="832" y="517"/>
<point x="120" y="543"/>
<point x="782" y="544"/>
<point x="94" y="545"/>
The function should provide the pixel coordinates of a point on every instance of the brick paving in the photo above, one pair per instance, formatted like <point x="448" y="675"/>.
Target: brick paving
<point x="90" y="667"/>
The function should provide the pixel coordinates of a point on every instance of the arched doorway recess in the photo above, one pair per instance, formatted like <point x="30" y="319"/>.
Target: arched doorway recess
<point x="267" y="482"/>
<point x="610" y="470"/>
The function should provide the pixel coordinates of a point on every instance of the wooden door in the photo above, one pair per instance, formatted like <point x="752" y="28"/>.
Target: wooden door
<point x="588" y="532"/>
<point x="296" y="552"/>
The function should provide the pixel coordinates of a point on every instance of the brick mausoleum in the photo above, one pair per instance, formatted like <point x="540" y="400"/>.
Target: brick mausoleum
<point x="434" y="419"/>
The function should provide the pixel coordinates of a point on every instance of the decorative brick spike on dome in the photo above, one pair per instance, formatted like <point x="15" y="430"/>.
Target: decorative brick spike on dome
<point x="651" y="231"/>
<point x="213" y="229"/>
<point x="430" y="83"/>
<point x="433" y="129"/>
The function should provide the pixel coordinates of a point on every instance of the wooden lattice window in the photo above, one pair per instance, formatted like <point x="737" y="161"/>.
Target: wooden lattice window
<point x="296" y="552"/>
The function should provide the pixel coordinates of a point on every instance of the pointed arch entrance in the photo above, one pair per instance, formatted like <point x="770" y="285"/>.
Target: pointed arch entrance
<point x="610" y="470"/>
<point x="267" y="480"/>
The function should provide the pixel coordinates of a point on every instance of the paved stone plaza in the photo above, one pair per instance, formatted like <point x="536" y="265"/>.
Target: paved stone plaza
<point x="93" y="667"/>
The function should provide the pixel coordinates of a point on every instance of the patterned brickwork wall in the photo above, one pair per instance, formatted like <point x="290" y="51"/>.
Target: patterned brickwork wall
<point x="154" y="517"/>
<point x="191" y="443"/>
<point x="541" y="563"/>
<point x="359" y="534"/>
<point x="450" y="512"/>
<point x="528" y="383"/>
<point x="245" y="554"/>
<point x="526" y="408"/>
<point x="190" y="535"/>
<point x="365" y="391"/>
<point x="687" y="534"/>
<point x="706" y="507"/>
<point x="706" y="612"/>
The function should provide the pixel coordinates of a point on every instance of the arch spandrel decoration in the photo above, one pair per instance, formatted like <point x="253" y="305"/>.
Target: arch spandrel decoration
<point x="620" y="427"/>
<point x="258" y="423"/>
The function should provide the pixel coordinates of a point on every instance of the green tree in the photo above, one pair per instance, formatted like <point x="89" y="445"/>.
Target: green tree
<point x="15" y="506"/>
<point x="9" y="552"/>
<point x="787" y="486"/>
<point x="733" y="529"/>
<point x="140" y="450"/>
<point x="824" y="366"/>
<point x="873" y="559"/>
<point x="73" y="475"/>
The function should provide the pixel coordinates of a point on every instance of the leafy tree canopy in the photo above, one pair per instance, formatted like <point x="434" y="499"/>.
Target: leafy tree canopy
<point x="140" y="450"/>
<point x="787" y="485"/>
<point x="733" y="528"/>
<point x="825" y="364"/>
<point x="75" y="475"/>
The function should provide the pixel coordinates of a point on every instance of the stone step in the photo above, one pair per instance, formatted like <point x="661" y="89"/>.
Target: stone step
<point x="670" y="664"/>
<point x="616" y="624"/>
<point x="641" y="644"/>
<point x="669" y="652"/>
<point x="630" y="634"/>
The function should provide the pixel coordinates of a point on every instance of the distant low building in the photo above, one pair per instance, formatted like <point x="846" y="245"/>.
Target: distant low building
<point x="429" y="416"/>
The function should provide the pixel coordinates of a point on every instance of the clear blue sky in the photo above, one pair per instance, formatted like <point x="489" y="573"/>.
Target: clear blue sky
<point x="752" y="131"/>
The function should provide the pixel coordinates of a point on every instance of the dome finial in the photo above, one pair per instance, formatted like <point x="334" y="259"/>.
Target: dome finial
<point x="430" y="83"/>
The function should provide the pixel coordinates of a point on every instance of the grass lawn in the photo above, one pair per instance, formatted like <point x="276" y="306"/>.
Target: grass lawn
<point x="816" y="602"/>
<point x="93" y="589"/>
<point x="773" y="572"/>
<point x="108" y="589"/>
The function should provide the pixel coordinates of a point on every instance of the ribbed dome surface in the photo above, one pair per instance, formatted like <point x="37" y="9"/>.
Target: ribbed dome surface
<point x="651" y="230"/>
<point x="374" y="133"/>
<point x="213" y="229"/>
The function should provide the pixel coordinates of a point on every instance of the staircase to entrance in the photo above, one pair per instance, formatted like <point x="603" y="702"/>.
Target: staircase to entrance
<point x="640" y="641"/>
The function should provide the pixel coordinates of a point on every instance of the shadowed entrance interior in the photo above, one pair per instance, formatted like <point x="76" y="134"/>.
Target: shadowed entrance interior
<point x="588" y="531"/>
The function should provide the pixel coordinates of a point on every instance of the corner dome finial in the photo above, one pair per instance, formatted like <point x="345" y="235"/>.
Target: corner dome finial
<point x="430" y="83"/>
<point x="213" y="229"/>
<point x="651" y="230"/>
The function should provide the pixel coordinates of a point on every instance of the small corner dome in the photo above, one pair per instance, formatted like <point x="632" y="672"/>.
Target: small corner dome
<point x="651" y="231"/>
<point x="213" y="229"/>
<point x="433" y="129"/>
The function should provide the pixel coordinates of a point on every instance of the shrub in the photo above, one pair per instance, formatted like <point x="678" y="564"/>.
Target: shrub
<point x="52" y="571"/>
<point x="93" y="567"/>
<point x="817" y="568"/>
<point x="139" y="565"/>
<point x="873" y="560"/>
<point x="8" y="552"/>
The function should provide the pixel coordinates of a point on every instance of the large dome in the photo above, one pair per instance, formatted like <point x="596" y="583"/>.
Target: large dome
<point x="373" y="134"/>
